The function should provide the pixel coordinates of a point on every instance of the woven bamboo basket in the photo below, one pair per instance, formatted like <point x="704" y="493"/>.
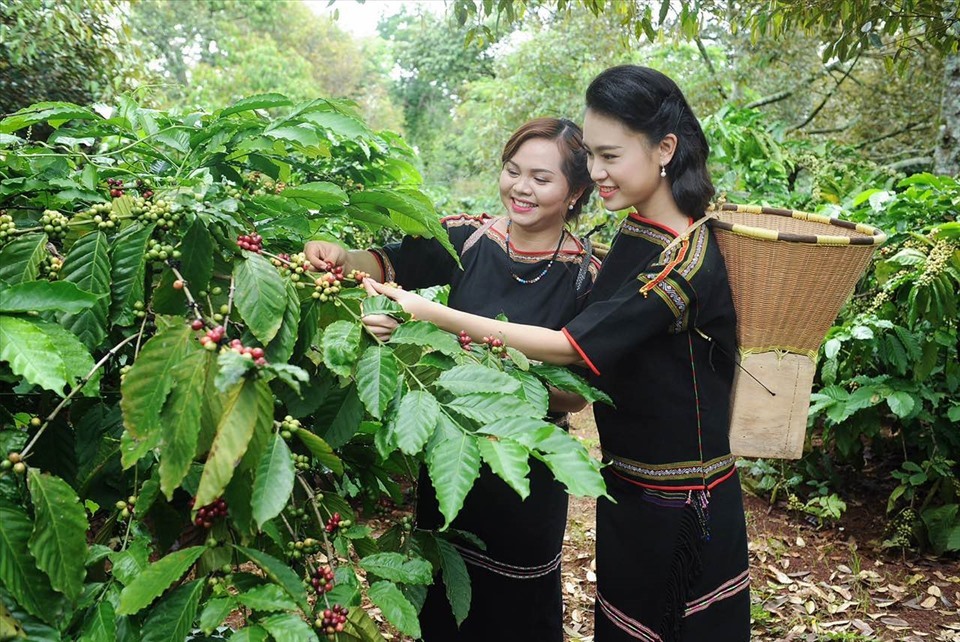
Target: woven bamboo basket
<point x="790" y="273"/>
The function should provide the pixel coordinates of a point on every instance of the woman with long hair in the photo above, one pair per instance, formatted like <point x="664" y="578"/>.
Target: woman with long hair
<point x="658" y="336"/>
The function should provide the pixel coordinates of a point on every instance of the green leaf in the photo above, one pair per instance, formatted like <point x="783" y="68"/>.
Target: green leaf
<point x="426" y="334"/>
<point x="362" y="626"/>
<point x="268" y="597"/>
<point x="278" y="573"/>
<point x="148" y="383"/>
<point x="339" y="123"/>
<point x="41" y="296"/>
<point x="260" y="296"/>
<point x="453" y="462"/>
<point x="156" y="578"/>
<point x="246" y="407"/>
<point x="252" y="633"/>
<point x="341" y="423"/>
<point x="101" y="624"/>
<point x="88" y="266"/>
<point x="470" y="378"/>
<point x="20" y="258"/>
<point x="381" y="304"/>
<point x="18" y="571"/>
<point x="31" y="354"/>
<point x="397" y="568"/>
<point x="197" y="252"/>
<point x="281" y="347"/>
<point x="901" y="403"/>
<point x="302" y="134"/>
<point x="319" y="195"/>
<point x="563" y="379"/>
<point x="508" y="460"/>
<point x="55" y="113"/>
<point x="533" y="391"/>
<point x="172" y="619"/>
<point x="339" y="345"/>
<point x="488" y="407"/>
<point x="943" y="528"/>
<point x="395" y="607"/>
<point x="320" y="450"/>
<point x="231" y="367"/>
<point x="181" y="421"/>
<point x="274" y="481"/>
<point x="128" y="564"/>
<point x="377" y="376"/>
<point x="288" y="628"/>
<point x="523" y="430"/>
<point x="129" y="267"/>
<point x="215" y="612"/>
<point x="576" y="470"/>
<point x="456" y="580"/>
<point x="59" y="540"/>
<point x="415" y="421"/>
<point x="260" y="101"/>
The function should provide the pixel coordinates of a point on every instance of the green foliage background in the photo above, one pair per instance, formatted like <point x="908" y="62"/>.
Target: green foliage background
<point x="802" y="111"/>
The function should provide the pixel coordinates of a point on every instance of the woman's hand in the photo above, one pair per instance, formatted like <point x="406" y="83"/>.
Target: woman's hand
<point x="324" y="255"/>
<point x="409" y="301"/>
<point x="380" y="325"/>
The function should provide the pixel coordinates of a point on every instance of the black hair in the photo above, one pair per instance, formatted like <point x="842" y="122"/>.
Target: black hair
<point x="569" y="138"/>
<point x="648" y="102"/>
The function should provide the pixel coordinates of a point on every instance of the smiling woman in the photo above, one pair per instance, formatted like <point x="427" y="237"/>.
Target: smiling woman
<point x="656" y="334"/>
<point x="527" y="267"/>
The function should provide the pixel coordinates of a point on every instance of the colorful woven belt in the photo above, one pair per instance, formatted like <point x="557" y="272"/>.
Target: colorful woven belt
<point x="686" y="475"/>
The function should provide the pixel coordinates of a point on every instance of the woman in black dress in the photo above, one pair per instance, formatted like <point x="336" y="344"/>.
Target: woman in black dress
<point x="526" y="266"/>
<point x="658" y="335"/>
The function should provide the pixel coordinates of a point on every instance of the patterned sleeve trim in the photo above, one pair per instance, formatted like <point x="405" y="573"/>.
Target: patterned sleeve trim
<point x="583" y="355"/>
<point x="387" y="272"/>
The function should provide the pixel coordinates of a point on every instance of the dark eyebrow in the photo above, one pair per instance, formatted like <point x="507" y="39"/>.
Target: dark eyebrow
<point x="547" y="171"/>
<point x="604" y="148"/>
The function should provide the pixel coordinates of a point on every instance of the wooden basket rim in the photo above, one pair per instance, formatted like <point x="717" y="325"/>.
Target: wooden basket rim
<point x="871" y="235"/>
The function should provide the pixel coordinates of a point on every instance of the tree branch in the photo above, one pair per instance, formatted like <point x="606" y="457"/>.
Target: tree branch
<point x="826" y="99"/>
<point x="783" y="95"/>
<point x="908" y="128"/>
<point x="711" y="68"/>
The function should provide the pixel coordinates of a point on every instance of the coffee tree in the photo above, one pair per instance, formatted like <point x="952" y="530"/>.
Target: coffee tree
<point x="193" y="421"/>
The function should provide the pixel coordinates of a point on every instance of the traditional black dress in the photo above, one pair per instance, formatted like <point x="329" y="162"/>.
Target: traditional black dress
<point x="659" y="336"/>
<point x="516" y="580"/>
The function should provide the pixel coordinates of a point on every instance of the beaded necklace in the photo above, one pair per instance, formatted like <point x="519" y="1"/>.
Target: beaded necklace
<point x="553" y="258"/>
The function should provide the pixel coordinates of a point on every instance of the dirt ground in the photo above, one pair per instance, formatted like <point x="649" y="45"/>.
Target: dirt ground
<point x="807" y="584"/>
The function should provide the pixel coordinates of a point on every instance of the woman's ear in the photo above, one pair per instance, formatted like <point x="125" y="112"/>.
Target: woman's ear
<point x="667" y="148"/>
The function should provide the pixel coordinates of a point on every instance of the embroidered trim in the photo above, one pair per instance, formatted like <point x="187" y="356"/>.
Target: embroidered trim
<point x="631" y="229"/>
<point x="389" y="273"/>
<point x="628" y="625"/>
<point x="474" y="558"/>
<point x="728" y="589"/>
<point x="456" y="220"/>
<point x="700" y="236"/>
<point x="640" y="632"/>
<point x="652" y="283"/>
<point x="687" y="475"/>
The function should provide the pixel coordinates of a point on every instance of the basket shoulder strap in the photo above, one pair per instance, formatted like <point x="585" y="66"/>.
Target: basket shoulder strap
<point x="585" y="260"/>
<point x="687" y="232"/>
<point x="477" y="235"/>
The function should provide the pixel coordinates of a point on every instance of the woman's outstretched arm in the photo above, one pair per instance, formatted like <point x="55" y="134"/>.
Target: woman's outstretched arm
<point x="542" y="344"/>
<point x="324" y="255"/>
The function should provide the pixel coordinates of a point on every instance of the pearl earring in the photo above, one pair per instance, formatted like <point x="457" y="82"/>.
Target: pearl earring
<point x="570" y="206"/>
<point x="663" y="171"/>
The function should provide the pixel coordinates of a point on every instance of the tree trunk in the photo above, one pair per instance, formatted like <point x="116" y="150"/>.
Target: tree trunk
<point x="947" y="155"/>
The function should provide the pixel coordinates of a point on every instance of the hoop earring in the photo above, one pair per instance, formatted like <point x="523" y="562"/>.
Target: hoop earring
<point x="663" y="170"/>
